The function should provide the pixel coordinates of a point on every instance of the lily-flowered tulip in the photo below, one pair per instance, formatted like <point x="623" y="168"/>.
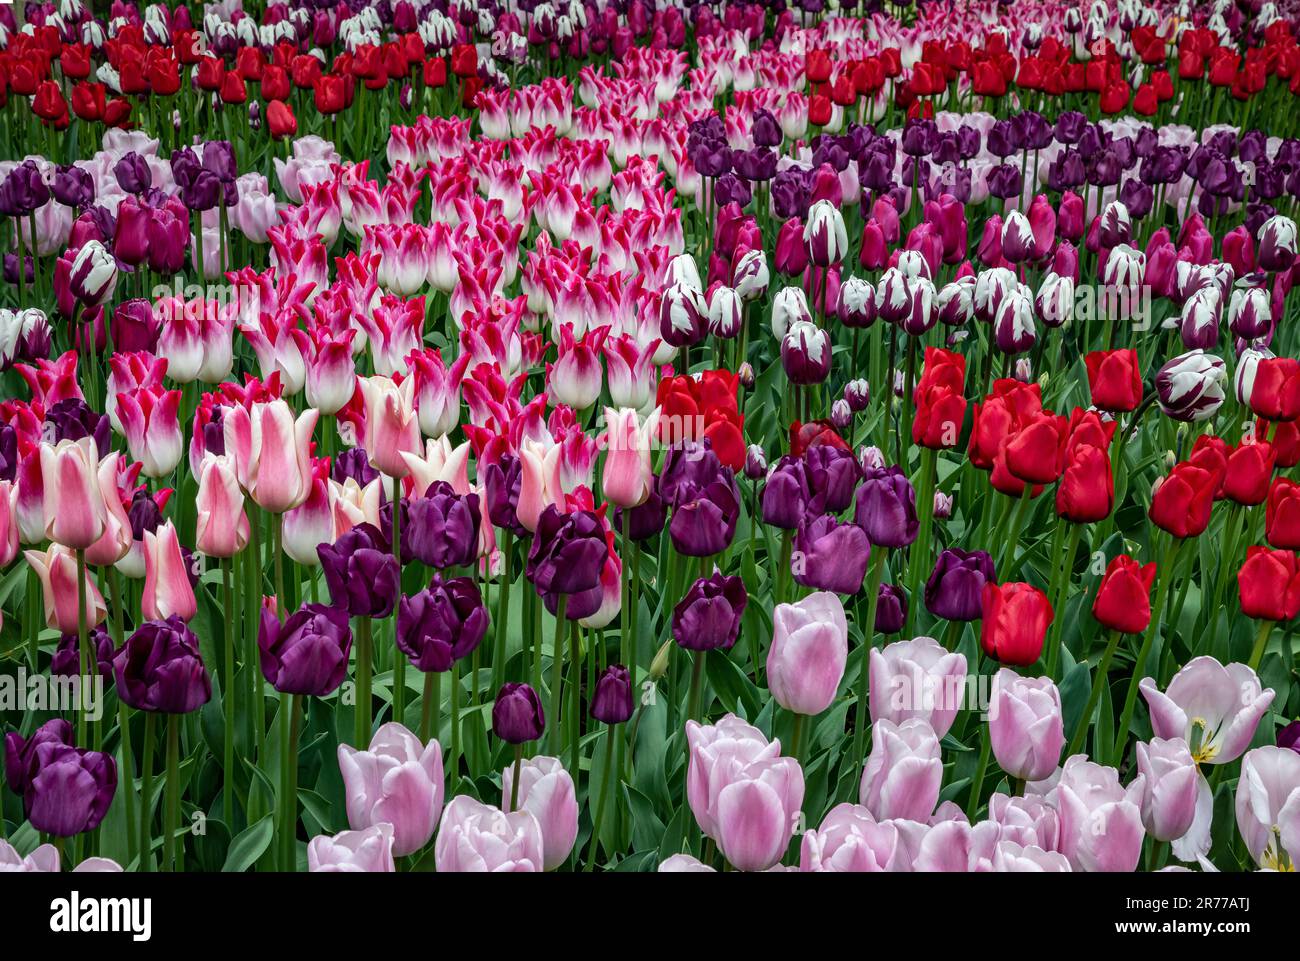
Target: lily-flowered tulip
<point x="477" y="837"/>
<point x="391" y="425"/>
<point x="810" y="646"/>
<point x="56" y="568"/>
<point x="75" y="514"/>
<point x="353" y="852"/>
<point x="546" y="791"/>
<point x="1025" y="725"/>
<point x="917" y="678"/>
<point x="221" y="526"/>
<point x="167" y="588"/>
<point x="398" y="781"/>
<point x="1172" y="783"/>
<point x="628" y="476"/>
<point x="1268" y="806"/>
<point x="1101" y="822"/>
<point x="152" y="430"/>
<point x="904" y="772"/>
<point x="1214" y="708"/>
<point x="272" y="452"/>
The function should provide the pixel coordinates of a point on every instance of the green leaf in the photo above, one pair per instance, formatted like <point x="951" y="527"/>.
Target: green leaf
<point x="249" y="845"/>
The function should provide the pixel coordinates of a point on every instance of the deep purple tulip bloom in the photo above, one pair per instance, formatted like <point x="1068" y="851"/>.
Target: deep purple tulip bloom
<point x="1005" y="181"/>
<point x="501" y="482"/>
<point x="832" y="474"/>
<point x="362" y="576"/>
<point x="442" y="623"/>
<point x="704" y="519"/>
<point x="159" y="668"/>
<point x="611" y="703"/>
<point x="8" y="453"/>
<point x="1070" y="126"/>
<point x="66" y="661"/>
<point x="956" y="584"/>
<point x="688" y="465"/>
<point x="443" y="527"/>
<point x="20" y="752"/>
<point x="645" y="520"/>
<point x="70" y="790"/>
<point x="135" y="326"/>
<point x="709" y="615"/>
<point x="758" y="164"/>
<point x="23" y="190"/>
<point x="354" y="463"/>
<point x="830" y="556"/>
<point x="132" y="173"/>
<point x="1289" y="736"/>
<point x="920" y="136"/>
<point x="308" y="653"/>
<point x="886" y="508"/>
<point x="72" y="419"/>
<point x="785" y="494"/>
<point x="568" y="552"/>
<point x="74" y="186"/>
<point x="732" y="189"/>
<point x="891" y="609"/>
<point x="517" y="715"/>
<point x="766" y="131"/>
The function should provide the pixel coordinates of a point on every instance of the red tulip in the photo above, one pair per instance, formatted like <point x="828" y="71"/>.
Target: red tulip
<point x="1114" y="379"/>
<point x="1249" y="470"/>
<point x="1016" y="617"/>
<point x="1269" y="583"/>
<point x="1276" y="392"/>
<point x="1282" y="516"/>
<point x="1086" y="492"/>
<point x="1124" y="597"/>
<point x="280" y="120"/>
<point x="1181" y="501"/>
<point x="1035" y="451"/>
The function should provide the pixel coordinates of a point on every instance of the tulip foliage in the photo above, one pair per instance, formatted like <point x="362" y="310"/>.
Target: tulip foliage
<point x="593" y="437"/>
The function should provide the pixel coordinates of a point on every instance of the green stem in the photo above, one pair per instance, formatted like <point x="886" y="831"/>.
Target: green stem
<point x="123" y="718"/>
<point x="399" y="662"/>
<point x="289" y="728"/>
<point x="228" y="692"/>
<point x="862" y="718"/>
<point x="453" y="760"/>
<point x="1261" y="641"/>
<point x="146" y="791"/>
<point x="557" y="675"/>
<point x="977" y="782"/>
<point x="575" y="693"/>
<point x="503" y="616"/>
<point x="599" y="819"/>
<point x="1098" y="682"/>
<point x="1059" y="597"/>
<point x="364" y="667"/>
<point x="697" y="674"/>
<point x="173" y="852"/>
<point x="430" y="704"/>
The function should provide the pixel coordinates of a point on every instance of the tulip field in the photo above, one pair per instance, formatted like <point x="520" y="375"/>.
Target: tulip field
<point x="649" y="436"/>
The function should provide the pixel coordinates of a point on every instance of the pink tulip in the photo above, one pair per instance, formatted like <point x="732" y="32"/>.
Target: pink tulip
<point x="281" y="347"/>
<point x="955" y="846"/>
<point x="221" y="527"/>
<point x="539" y="485"/>
<point x="628" y="477"/>
<point x="480" y="838"/>
<point x="366" y="851"/>
<point x="403" y="256"/>
<point x="152" y="428"/>
<point x="43" y="860"/>
<point x="331" y="377"/>
<point x="391" y="427"/>
<point x="575" y="378"/>
<point x="311" y="523"/>
<point x="1172" y="783"/>
<point x="8" y="522"/>
<point x="850" y="840"/>
<point x="51" y="381"/>
<point x="56" y="568"/>
<point x="271" y="452"/>
<point x="1213" y="708"/>
<point x="917" y="678"/>
<point x="810" y="646"/>
<point x="1027" y="820"/>
<point x="437" y="391"/>
<point x="394" y="329"/>
<point x="904" y="772"/>
<point x="167" y="589"/>
<point x="1010" y="856"/>
<point x="117" y="538"/>
<point x="546" y="791"/>
<point x="684" y="864"/>
<point x="441" y="462"/>
<point x="631" y="372"/>
<point x="126" y="373"/>
<point x="1025" y="726"/>
<point x="398" y="780"/>
<point x="1268" y="806"/>
<point x="718" y="754"/>
<point x="75" y="515"/>
<point x="1101" y="822"/>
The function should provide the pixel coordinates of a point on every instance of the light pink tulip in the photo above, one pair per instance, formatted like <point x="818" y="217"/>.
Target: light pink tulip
<point x="441" y="462"/>
<point x="167" y="589"/>
<point x="539" y="484"/>
<point x="152" y="428"/>
<point x="221" y="527"/>
<point x="43" y="860"/>
<point x="391" y="425"/>
<point x="56" y="568"/>
<point x="917" y="678"/>
<point x="1268" y="806"/>
<point x="955" y="846"/>
<point x="684" y="864"/>
<point x="904" y="772"/>
<point x="75" y="515"/>
<point x="546" y="791"/>
<point x="1025" y="726"/>
<point x="271" y="452"/>
<point x="1101" y="822"/>
<point x="399" y="781"/>
<point x="850" y="840"/>
<point x="628" y="477"/>
<point x="369" y="851"/>
<point x="1009" y="856"/>
<point x="810" y="646"/>
<point x="8" y="522"/>
<point x="758" y="811"/>
<point x="117" y="538"/>
<point x="718" y="754"/>
<point x="476" y="837"/>
<point x="1172" y="784"/>
<point x="1027" y="820"/>
<point x="1214" y="708"/>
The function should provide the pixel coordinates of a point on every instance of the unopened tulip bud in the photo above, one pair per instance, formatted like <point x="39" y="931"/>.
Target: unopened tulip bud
<point x="942" y="505"/>
<point x="746" y="375"/>
<point x="841" y="414"/>
<point x="659" y="666"/>
<point x="755" y="462"/>
<point x="870" y="458"/>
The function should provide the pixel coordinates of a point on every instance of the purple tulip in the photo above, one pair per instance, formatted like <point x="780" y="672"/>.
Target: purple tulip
<point x="566" y="558"/>
<point x="308" y="653"/>
<point x="73" y="419"/>
<point x="645" y="520"/>
<point x="709" y="615"/>
<point x="704" y="518"/>
<point x="886" y="508"/>
<point x="517" y="715"/>
<point x="443" y="527"/>
<point x="785" y="494"/>
<point x="830" y="555"/>
<point x="891" y="609"/>
<point x="501" y="483"/>
<point x="159" y="668"/>
<point x="74" y="186"/>
<point x="70" y="789"/>
<point x="361" y="575"/>
<point x="20" y="752"/>
<point x="353" y="463"/>
<point x="67" y="657"/>
<point x="956" y="584"/>
<point x="442" y="623"/>
<point x="611" y="703"/>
